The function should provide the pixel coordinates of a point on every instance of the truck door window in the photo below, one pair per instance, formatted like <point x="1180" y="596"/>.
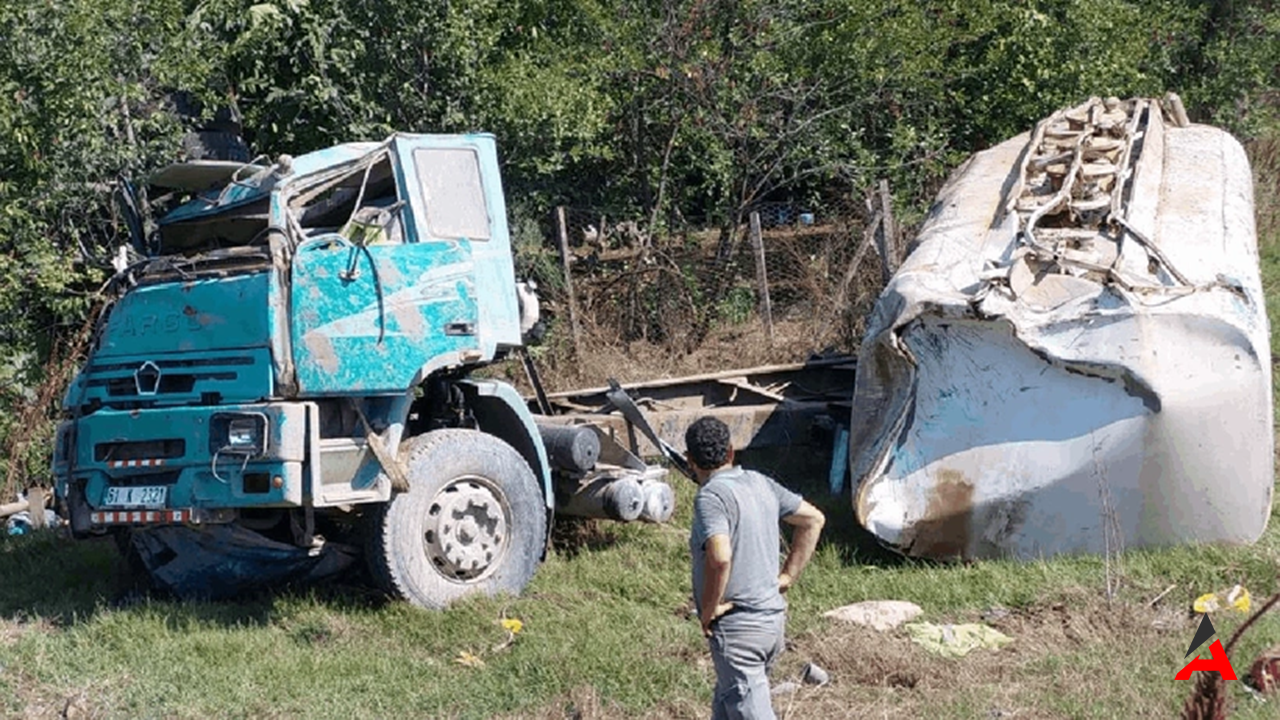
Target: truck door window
<point x="331" y="206"/>
<point x="454" y="197"/>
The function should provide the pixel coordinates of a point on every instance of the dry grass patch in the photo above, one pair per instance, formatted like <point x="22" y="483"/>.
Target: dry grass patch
<point x="1076" y="656"/>
<point x="13" y="630"/>
<point x="585" y="703"/>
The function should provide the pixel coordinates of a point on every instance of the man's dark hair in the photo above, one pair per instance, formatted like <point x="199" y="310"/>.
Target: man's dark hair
<point x="707" y="441"/>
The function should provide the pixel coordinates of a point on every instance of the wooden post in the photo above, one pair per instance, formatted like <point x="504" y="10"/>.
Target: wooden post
<point x="850" y="273"/>
<point x="13" y="508"/>
<point x="762" y="275"/>
<point x="889" y="231"/>
<point x="563" y="237"/>
<point x="36" y="499"/>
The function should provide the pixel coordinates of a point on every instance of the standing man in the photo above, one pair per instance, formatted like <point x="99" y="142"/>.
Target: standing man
<point x="737" y="584"/>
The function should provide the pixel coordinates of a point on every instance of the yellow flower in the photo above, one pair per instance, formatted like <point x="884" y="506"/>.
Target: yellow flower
<point x="513" y="625"/>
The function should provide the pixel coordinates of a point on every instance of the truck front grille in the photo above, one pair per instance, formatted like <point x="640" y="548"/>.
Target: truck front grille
<point x="143" y="450"/>
<point x="145" y="382"/>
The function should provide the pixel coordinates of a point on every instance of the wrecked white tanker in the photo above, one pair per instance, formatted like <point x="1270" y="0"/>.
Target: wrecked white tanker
<point x="1074" y="357"/>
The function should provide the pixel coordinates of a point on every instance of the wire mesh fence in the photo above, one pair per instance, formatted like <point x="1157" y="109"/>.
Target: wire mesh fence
<point x="783" y="283"/>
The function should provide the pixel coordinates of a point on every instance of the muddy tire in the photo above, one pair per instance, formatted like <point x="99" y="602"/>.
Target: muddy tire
<point x="473" y="522"/>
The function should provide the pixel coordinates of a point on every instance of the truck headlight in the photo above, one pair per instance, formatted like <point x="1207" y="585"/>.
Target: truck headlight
<point x="244" y="433"/>
<point x="240" y="433"/>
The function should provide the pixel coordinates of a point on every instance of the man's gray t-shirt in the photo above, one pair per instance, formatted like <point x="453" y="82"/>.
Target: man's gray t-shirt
<point x="746" y="506"/>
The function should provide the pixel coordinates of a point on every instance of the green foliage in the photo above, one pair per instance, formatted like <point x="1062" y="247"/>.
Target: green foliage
<point x="534" y="258"/>
<point x="82" y="84"/>
<point x="80" y="80"/>
<point x="737" y="306"/>
<point x="1236" y="82"/>
<point x="1025" y="60"/>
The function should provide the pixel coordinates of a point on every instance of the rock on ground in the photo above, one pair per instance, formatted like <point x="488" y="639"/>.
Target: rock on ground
<point x="881" y="615"/>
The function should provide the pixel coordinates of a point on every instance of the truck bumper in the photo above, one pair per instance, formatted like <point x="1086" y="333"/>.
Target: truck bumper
<point x="184" y="465"/>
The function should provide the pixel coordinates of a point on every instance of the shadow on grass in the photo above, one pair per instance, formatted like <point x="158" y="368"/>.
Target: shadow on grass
<point x="48" y="575"/>
<point x="67" y="582"/>
<point x="571" y="535"/>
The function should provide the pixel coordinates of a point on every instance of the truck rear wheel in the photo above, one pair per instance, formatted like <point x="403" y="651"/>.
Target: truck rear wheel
<point x="474" y="521"/>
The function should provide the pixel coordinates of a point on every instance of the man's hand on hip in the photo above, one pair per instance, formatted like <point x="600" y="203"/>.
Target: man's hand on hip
<point x="784" y="582"/>
<point x="710" y="617"/>
<point x="807" y="521"/>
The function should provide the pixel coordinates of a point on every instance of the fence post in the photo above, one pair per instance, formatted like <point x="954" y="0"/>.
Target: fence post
<point x="888" y="232"/>
<point x="762" y="275"/>
<point x="562" y="237"/>
<point x="851" y="273"/>
<point x="35" y="500"/>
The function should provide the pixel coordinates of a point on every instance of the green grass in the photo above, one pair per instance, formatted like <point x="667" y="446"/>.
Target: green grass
<point x="607" y="632"/>
<point x="609" y="616"/>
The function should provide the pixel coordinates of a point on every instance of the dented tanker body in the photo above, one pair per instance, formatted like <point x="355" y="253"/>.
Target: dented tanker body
<point x="1075" y="357"/>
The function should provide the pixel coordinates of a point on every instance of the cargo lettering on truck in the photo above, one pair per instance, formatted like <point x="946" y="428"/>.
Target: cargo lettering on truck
<point x="139" y="325"/>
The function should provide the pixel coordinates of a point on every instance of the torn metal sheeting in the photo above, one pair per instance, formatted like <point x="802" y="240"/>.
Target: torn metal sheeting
<point x="1040" y="379"/>
<point x="199" y="175"/>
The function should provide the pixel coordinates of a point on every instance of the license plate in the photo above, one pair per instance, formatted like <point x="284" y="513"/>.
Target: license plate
<point x="144" y="496"/>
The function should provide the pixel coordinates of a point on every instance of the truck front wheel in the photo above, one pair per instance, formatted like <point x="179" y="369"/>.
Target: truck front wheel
<point x="474" y="521"/>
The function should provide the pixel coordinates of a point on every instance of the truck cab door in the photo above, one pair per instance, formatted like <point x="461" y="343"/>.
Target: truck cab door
<point x="429" y="284"/>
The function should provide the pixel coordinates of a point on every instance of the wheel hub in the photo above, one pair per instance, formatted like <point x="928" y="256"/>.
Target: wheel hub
<point x="466" y="529"/>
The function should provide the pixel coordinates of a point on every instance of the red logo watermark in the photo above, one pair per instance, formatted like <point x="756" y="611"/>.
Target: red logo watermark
<point x="1217" y="660"/>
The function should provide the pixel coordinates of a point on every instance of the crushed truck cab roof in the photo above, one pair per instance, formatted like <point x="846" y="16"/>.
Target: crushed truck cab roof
<point x="1075" y="357"/>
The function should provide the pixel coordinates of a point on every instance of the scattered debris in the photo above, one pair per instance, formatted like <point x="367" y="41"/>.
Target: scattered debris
<point x="15" y="507"/>
<point x="880" y="615"/>
<point x="812" y="674"/>
<point x="22" y="516"/>
<point x="994" y="614"/>
<point x="513" y="626"/>
<point x="21" y="523"/>
<point x="956" y="640"/>
<point x="216" y="562"/>
<point x="1257" y="696"/>
<point x="469" y="659"/>
<point x="784" y="688"/>
<point x="1208" y="699"/>
<point x="1265" y="672"/>
<point x="1237" y="597"/>
<point x="1161" y="596"/>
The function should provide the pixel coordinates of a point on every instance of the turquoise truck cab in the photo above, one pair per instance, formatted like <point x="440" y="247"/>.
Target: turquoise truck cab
<point x="293" y="351"/>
